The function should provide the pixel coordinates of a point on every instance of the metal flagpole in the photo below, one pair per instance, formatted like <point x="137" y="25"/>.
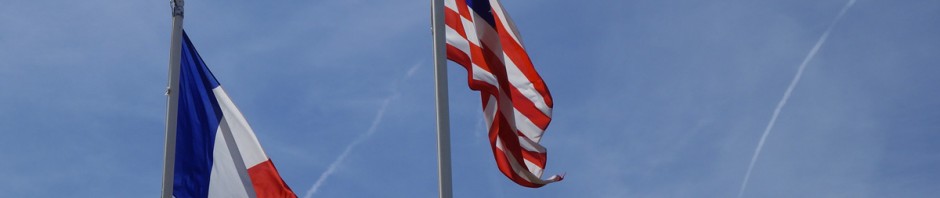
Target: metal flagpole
<point x="443" y="114"/>
<point x="169" y="154"/>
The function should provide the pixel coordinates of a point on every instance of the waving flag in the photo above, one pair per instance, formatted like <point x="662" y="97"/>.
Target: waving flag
<point x="217" y="153"/>
<point x="516" y="103"/>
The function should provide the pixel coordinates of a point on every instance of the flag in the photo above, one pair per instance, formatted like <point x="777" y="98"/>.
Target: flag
<point x="516" y="103"/>
<point x="217" y="153"/>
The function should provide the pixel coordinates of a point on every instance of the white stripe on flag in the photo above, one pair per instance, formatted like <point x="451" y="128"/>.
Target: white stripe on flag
<point x="224" y="179"/>
<point x="244" y="136"/>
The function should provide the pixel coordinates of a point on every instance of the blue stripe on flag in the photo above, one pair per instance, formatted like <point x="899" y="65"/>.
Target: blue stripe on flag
<point x="483" y="9"/>
<point x="197" y="122"/>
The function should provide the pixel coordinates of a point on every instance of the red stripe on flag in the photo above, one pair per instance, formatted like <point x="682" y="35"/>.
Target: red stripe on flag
<point x="522" y="103"/>
<point x="502" y="160"/>
<point x="519" y="56"/>
<point x="535" y="157"/>
<point x="463" y="59"/>
<point x="458" y="56"/>
<point x="267" y="182"/>
<point x="464" y="10"/>
<point x="452" y="19"/>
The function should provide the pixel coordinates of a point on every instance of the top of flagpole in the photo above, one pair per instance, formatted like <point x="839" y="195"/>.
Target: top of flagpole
<point x="177" y="7"/>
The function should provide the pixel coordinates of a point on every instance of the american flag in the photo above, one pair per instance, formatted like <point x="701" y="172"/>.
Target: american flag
<point x="516" y="103"/>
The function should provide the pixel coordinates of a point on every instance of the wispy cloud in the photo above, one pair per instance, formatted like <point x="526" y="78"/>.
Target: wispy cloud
<point x="379" y="115"/>
<point x="786" y="94"/>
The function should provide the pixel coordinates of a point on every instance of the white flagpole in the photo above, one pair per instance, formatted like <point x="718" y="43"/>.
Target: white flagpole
<point x="443" y="115"/>
<point x="169" y="154"/>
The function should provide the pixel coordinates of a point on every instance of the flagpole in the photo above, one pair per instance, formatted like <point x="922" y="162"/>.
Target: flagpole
<point x="169" y="154"/>
<point x="441" y="103"/>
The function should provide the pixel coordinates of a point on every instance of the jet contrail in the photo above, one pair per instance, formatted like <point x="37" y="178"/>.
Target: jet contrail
<point x="786" y="95"/>
<point x="372" y="128"/>
<point x="342" y="157"/>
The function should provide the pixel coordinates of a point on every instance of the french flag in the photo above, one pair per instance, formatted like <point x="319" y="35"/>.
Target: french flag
<point x="217" y="153"/>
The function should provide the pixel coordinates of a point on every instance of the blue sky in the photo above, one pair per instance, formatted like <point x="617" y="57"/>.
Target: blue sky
<point x="652" y="98"/>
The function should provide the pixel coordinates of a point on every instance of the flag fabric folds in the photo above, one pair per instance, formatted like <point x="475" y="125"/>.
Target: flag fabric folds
<point x="516" y="103"/>
<point x="217" y="153"/>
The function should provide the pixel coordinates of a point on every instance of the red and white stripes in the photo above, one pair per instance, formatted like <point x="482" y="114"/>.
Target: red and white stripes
<point x="516" y="103"/>
<point x="265" y="181"/>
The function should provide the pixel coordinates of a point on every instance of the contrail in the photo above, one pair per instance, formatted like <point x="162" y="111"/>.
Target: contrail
<point x="362" y="137"/>
<point x="342" y="157"/>
<point x="786" y="95"/>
